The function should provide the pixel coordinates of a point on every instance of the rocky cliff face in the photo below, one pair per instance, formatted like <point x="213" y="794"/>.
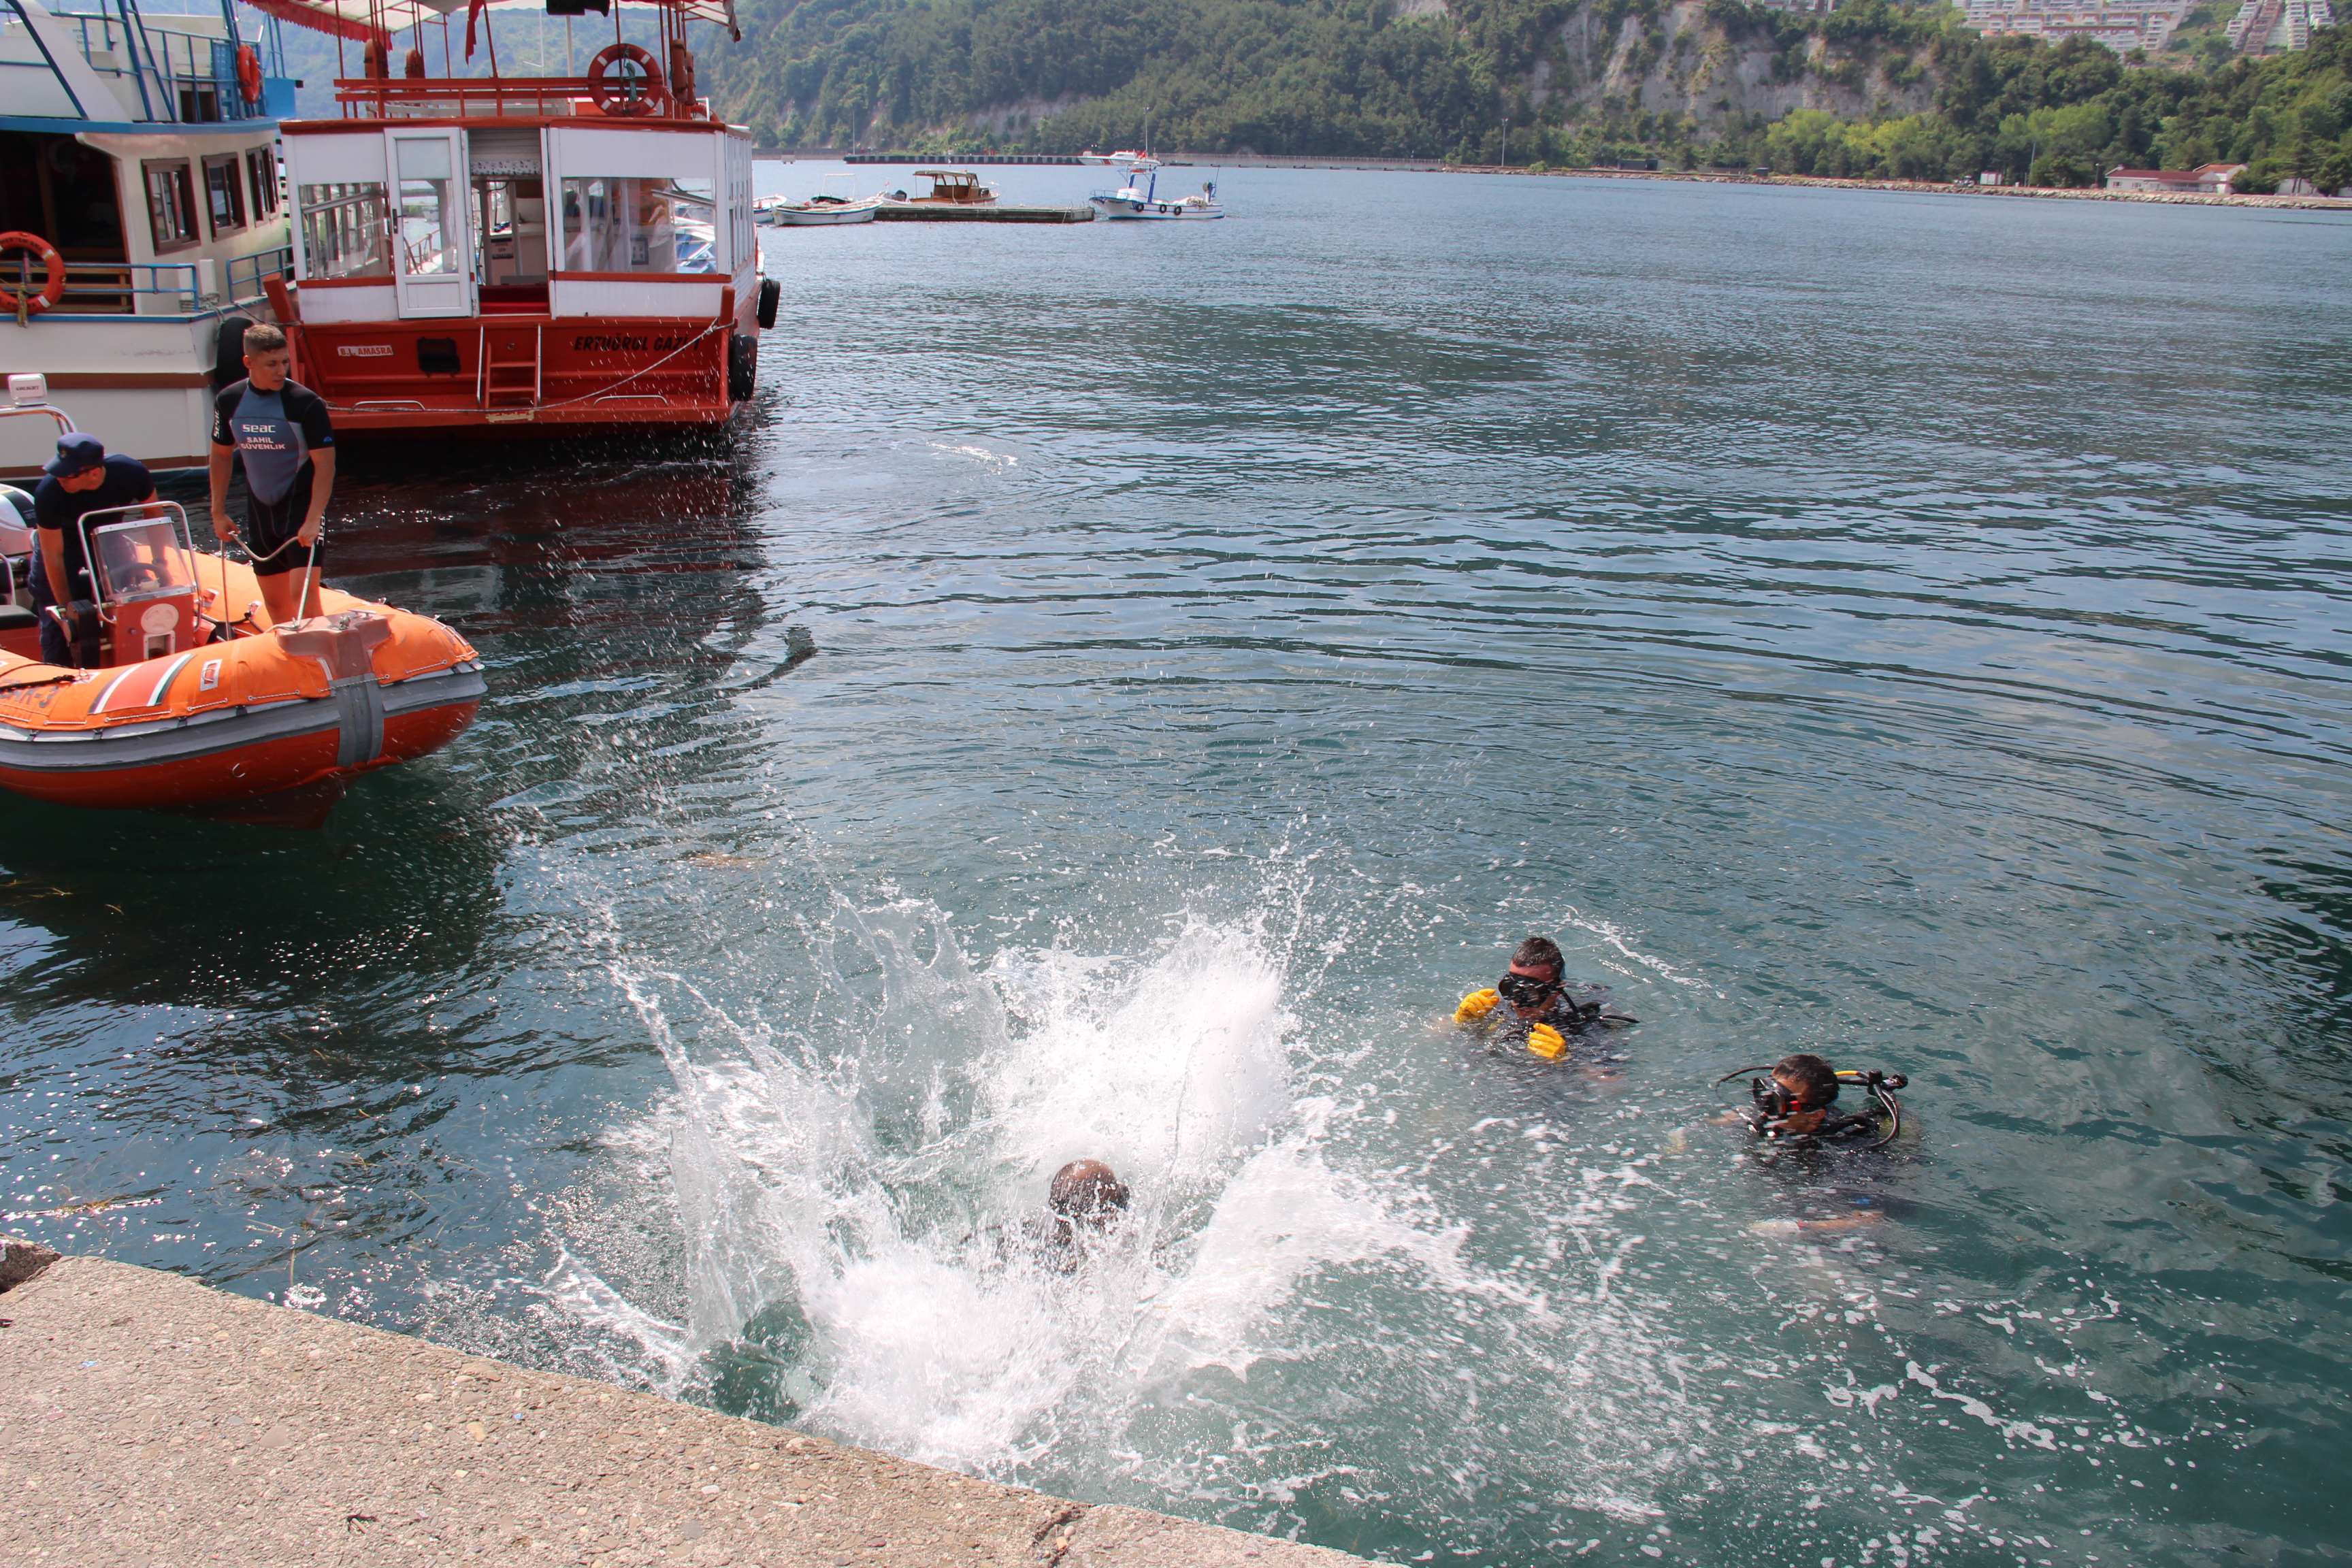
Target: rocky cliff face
<point x="1685" y="65"/>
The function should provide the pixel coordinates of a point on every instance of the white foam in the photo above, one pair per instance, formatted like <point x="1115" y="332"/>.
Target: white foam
<point x="858" y="1194"/>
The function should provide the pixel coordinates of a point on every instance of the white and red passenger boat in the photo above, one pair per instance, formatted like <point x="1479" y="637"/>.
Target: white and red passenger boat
<point x="502" y="253"/>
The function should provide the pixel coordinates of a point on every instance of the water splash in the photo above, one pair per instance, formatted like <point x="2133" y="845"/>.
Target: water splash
<point x="852" y="1192"/>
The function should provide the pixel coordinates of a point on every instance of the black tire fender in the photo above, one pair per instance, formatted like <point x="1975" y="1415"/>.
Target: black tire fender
<point x="771" y="291"/>
<point x="228" y="351"/>
<point x="742" y="367"/>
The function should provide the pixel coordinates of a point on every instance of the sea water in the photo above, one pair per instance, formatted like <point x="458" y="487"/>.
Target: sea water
<point x="1127" y="682"/>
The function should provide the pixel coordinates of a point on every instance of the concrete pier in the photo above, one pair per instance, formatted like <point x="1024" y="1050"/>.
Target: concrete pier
<point x="147" y="1421"/>
<point x="953" y="212"/>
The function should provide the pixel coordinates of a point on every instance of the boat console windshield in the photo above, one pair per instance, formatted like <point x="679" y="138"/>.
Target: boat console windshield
<point x="144" y="569"/>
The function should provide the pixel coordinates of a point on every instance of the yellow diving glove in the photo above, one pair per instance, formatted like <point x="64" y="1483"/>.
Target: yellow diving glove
<point x="1546" y="1042"/>
<point x="1476" y="1006"/>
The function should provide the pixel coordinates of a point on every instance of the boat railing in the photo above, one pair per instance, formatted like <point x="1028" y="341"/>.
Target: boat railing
<point x="249" y="276"/>
<point x="171" y="287"/>
<point x="457" y="97"/>
<point x="131" y="288"/>
<point x="178" y="75"/>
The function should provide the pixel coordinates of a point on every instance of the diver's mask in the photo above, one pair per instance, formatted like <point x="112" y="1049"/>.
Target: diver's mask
<point x="1525" y="990"/>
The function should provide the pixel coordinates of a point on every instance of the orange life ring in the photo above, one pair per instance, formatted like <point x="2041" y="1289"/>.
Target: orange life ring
<point x="625" y="96"/>
<point x="249" y="72"/>
<point x="17" y="239"/>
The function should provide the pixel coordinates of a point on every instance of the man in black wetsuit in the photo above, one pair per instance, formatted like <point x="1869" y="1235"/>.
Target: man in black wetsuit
<point x="82" y="480"/>
<point x="279" y="429"/>
<point x="1796" y="1107"/>
<point x="1530" y="1005"/>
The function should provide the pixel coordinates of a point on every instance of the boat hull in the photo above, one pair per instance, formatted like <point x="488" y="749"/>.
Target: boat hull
<point x="823" y="217"/>
<point x="263" y="751"/>
<point x="144" y="382"/>
<point x="1138" y="209"/>
<point x="520" y="373"/>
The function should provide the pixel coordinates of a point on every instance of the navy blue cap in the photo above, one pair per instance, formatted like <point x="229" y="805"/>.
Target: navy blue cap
<point x="76" y="453"/>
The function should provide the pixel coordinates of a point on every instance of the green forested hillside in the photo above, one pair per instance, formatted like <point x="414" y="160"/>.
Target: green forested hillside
<point x="1875" y="87"/>
<point x="2060" y="116"/>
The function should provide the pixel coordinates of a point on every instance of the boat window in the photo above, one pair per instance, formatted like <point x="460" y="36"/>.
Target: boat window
<point x="170" y="204"/>
<point x="344" y="229"/>
<point x="224" y="194"/>
<point x="142" y="560"/>
<point x="622" y="225"/>
<point x="430" y="218"/>
<point x="261" y="172"/>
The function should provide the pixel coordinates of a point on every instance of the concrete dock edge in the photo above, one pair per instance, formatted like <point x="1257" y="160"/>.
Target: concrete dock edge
<point x="149" y="1420"/>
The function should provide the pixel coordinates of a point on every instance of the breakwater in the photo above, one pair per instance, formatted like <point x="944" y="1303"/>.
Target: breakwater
<point x="144" y="1418"/>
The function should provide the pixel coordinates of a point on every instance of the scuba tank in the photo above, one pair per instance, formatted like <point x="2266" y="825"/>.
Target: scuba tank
<point x="1772" y="1106"/>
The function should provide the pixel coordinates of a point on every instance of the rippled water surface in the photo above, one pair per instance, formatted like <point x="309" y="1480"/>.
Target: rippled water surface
<point x="1122" y="688"/>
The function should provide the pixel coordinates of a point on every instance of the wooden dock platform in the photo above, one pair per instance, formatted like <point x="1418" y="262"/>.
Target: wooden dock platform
<point x="959" y="212"/>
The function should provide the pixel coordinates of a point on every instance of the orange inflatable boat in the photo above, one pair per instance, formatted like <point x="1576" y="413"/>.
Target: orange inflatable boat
<point x="190" y="701"/>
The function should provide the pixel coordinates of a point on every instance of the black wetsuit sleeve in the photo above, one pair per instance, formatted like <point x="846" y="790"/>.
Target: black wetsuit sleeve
<point x="309" y="410"/>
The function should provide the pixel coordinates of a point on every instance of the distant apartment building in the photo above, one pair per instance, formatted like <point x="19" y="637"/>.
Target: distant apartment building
<point x="2122" y="28"/>
<point x="2207" y="180"/>
<point x="2274" y="26"/>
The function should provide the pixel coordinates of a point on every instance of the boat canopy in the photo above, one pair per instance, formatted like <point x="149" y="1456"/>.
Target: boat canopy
<point x="373" y="19"/>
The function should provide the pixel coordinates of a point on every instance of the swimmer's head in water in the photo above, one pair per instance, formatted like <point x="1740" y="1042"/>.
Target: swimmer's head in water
<point x="1809" y="1082"/>
<point x="1539" y="955"/>
<point x="1088" y="1192"/>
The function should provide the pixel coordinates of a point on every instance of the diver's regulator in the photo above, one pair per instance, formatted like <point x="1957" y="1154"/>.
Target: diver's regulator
<point x="1774" y="1105"/>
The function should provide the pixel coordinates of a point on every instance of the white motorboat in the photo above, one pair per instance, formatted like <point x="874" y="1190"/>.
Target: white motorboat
<point x="1140" y="199"/>
<point x="822" y="208"/>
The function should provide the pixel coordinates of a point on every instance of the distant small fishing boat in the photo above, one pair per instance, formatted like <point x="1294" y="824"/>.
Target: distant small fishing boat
<point x="950" y="187"/>
<point x="1134" y="200"/>
<point x="823" y="209"/>
<point x="819" y="211"/>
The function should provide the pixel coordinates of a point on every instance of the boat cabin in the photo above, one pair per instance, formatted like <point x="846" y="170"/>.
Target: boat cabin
<point x="139" y="191"/>
<point x="133" y="146"/>
<point x="497" y="249"/>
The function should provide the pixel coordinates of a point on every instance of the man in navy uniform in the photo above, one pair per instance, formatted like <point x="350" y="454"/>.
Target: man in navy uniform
<point x="82" y="480"/>
<point x="278" y="428"/>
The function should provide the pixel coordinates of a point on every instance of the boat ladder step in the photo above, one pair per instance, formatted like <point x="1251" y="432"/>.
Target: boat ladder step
<point x="510" y="383"/>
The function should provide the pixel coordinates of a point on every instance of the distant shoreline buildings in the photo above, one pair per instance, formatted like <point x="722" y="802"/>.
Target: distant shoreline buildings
<point x="2274" y="26"/>
<point x="2207" y="180"/>
<point x="2122" y="28"/>
<point x="2259" y="27"/>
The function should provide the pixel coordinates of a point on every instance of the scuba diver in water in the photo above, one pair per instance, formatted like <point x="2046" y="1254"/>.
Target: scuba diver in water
<point x="1795" y="1102"/>
<point x="1085" y="1200"/>
<point x="1529" y="1008"/>
<point x="1794" y="1108"/>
